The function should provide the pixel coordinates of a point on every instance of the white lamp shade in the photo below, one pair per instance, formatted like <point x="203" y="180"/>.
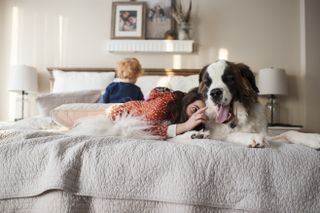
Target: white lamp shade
<point x="272" y="81"/>
<point x="23" y="78"/>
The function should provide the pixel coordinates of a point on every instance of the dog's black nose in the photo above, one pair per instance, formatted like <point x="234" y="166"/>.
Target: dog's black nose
<point x="216" y="94"/>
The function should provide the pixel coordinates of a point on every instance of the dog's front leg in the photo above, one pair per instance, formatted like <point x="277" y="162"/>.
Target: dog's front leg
<point x="253" y="140"/>
<point x="308" y="139"/>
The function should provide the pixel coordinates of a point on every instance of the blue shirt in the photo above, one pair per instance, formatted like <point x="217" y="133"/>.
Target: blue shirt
<point x="120" y="92"/>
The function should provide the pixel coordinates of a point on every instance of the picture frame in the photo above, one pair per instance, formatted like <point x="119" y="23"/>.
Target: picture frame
<point x="159" y="21"/>
<point x="128" y="20"/>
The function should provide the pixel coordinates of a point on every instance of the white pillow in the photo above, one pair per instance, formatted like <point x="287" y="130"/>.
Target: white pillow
<point x="184" y="83"/>
<point x="75" y="81"/>
<point x="47" y="102"/>
<point x="67" y="114"/>
<point x="147" y="83"/>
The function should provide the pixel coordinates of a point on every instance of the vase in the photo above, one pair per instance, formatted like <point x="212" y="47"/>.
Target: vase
<point x="184" y="31"/>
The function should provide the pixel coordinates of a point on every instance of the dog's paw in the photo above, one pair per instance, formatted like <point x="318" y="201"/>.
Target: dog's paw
<point x="257" y="141"/>
<point x="200" y="135"/>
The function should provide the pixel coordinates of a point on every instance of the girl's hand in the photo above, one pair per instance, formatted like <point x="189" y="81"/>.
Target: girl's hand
<point x="196" y="118"/>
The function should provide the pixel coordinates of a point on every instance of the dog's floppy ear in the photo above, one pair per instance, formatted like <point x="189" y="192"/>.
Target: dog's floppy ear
<point x="202" y="86"/>
<point x="248" y="74"/>
<point x="202" y="71"/>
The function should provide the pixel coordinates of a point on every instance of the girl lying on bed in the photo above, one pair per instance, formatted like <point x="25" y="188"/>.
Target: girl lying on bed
<point x="169" y="113"/>
<point x="164" y="114"/>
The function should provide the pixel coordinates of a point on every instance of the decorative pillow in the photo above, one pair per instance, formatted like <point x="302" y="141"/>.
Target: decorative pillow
<point x="67" y="114"/>
<point x="147" y="83"/>
<point x="47" y="102"/>
<point x="75" y="81"/>
<point x="184" y="83"/>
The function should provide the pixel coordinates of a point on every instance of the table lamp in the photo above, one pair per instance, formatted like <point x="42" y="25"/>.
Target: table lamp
<point x="272" y="82"/>
<point x="23" y="79"/>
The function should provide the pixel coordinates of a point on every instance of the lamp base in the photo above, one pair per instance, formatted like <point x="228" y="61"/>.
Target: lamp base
<point x="23" y="94"/>
<point x="273" y="110"/>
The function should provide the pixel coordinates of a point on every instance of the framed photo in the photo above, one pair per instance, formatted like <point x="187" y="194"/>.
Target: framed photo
<point x="128" y="20"/>
<point x="158" y="18"/>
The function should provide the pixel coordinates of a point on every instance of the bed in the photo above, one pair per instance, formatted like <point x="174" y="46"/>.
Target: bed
<point x="43" y="169"/>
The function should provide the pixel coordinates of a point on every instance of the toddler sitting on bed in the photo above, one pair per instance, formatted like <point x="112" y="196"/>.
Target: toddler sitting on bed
<point x="123" y="88"/>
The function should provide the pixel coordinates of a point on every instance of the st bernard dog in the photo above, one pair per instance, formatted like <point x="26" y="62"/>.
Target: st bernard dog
<point x="234" y="113"/>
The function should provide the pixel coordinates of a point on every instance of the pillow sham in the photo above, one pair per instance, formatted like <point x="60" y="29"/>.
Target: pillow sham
<point x="147" y="83"/>
<point x="182" y="83"/>
<point x="67" y="114"/>
<point x="47" y="102"/>
<point x="75" y="81"/>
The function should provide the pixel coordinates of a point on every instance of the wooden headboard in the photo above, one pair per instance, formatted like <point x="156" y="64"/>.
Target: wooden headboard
<point x="147" y="71"/>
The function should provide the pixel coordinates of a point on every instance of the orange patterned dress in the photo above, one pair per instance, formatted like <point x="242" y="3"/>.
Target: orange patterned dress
<point x="153" y="109"/>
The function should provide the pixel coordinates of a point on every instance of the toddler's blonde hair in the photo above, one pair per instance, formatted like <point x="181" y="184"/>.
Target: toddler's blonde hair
<point x="129" y="68"/>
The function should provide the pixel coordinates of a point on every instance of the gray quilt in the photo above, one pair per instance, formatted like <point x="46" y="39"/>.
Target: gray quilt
<point x="207" y="173"/>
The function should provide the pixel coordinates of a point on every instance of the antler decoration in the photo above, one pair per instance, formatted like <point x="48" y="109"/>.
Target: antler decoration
<point x="179" y="15"/>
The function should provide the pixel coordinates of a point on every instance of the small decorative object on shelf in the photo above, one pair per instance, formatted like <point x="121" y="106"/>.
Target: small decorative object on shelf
<point x="170" y="35"/>
<point x="183" y="20"/>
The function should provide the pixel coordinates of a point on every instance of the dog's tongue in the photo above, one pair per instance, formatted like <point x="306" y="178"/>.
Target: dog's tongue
<point x="223" y="114"/>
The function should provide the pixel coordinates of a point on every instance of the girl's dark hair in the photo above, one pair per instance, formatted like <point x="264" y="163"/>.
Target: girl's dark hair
<point x="178" y="107"/>
<point x="174" y="107"/>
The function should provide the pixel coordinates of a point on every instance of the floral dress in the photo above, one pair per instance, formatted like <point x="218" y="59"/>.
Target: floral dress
<point x="153" y="110"/>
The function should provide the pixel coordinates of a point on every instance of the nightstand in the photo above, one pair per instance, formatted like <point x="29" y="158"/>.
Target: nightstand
<point x="277" y="129"/>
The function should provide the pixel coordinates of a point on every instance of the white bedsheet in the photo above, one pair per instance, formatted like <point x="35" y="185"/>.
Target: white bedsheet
<point x="33" y="123"/>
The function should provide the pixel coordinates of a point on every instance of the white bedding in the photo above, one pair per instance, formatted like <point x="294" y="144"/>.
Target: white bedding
<point x="50" y="169"/>
<point x="33" y="123"/>
<point x="65" y="202"/>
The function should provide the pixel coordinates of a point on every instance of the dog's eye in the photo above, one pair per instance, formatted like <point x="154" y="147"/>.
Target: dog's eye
<point x="207" y="82"/>
<point x="228" y="78"/>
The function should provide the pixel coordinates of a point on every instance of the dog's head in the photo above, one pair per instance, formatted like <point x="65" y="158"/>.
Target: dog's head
<point x="224" y="82"/>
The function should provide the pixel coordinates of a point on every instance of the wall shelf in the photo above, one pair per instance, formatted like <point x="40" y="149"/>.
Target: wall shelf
<point x="153" y="46"/>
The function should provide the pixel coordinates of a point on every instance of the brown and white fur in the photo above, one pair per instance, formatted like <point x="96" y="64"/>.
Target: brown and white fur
<point x="241" y="119"/>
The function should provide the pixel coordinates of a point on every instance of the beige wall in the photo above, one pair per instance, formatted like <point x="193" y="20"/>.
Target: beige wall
<point x="3" y="76"/>
<point x="312" y="65"/>
<point x="259" y="33"/>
